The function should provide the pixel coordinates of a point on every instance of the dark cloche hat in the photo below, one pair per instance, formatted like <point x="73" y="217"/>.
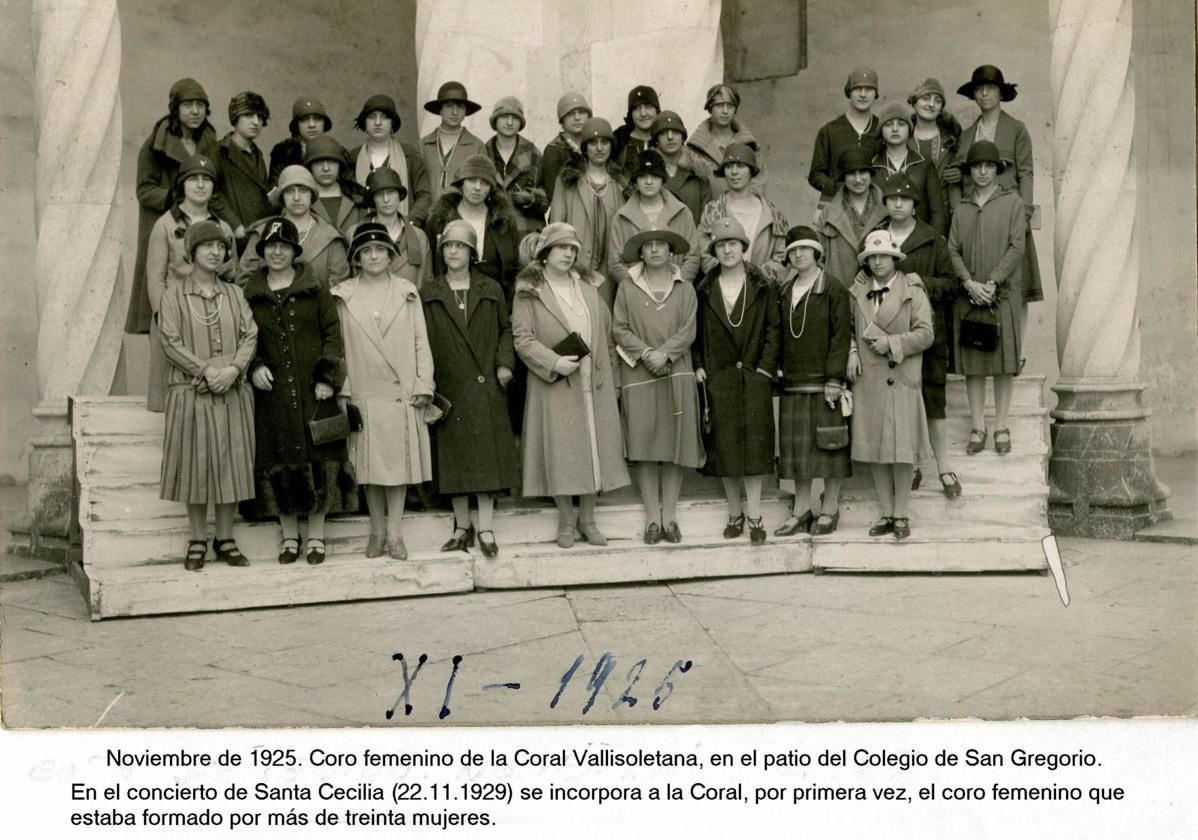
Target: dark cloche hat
<point x="248" y="102"/>
<point x="385" y="178"/>
<point x="665" y="121"/>
<point x="324" y="147"/>
<point x="649" y="162"/>
<point x="306" y="106"/>
<point x="738" y="153"/>
<point x="378" y="102"/>
<point x="900" y="184"/>
<point x="278" y="229"/>
<point x="200" y="232"/>
<point x="854" y="159"/>
<point x="367" y="233"/>
<point x="988" y="74"/>
<point x="194" y="165"/>
<point x="984" y="151"/>
<point x="451" y="92"/>
<point x="595" y="128"/>
<point x="643" y="95"/>
<point x="186" y="90"/>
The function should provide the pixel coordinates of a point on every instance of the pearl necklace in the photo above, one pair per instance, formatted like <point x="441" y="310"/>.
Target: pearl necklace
<point x="206" y="319"/>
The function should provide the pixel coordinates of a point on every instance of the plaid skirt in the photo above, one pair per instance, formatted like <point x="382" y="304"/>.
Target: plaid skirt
<point x="799" y="416"/>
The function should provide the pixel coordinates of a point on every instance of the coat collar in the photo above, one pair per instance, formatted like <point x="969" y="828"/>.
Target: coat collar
<point x="636" y="273"/>
<point x="835" y="216"/>
<point x="914" y="158"/>
<point x="703" y="140"/>
<point x="631" y="210"/>
<point x="792" y="276"/>
<point x="403" y="293"/>
<point x="171" y="145"/>
<point x="901" y="286"/>
<point x="304" y="283"/>
<point x="251" y="164"/>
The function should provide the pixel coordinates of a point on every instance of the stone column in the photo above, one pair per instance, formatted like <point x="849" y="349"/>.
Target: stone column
<point x="77" y="62"/>
<point x="1101" y="476"/>
<point x="538" y="49"/>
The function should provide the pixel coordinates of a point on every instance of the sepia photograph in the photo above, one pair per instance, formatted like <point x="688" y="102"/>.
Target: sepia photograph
<point x="550" y="362"/>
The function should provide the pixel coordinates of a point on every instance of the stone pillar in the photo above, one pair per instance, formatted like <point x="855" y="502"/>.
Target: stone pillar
<point x="77" y="62"/>
<point x="1101" y="476"/>
<point x="538" y="49"/>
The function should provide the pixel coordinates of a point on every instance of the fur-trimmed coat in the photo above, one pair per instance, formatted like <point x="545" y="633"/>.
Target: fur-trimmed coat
<point x="299" y="342"/>
<point x="704" y="147"/>
<point x="559" y="430"/>
<point x="500" y="257"/>
<point x="768" y="251"/>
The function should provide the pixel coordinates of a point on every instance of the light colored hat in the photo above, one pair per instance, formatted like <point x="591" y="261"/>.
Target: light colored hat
<point x="459" y="230"/>
<point x="726" y="228"/>
<point x="291" y="176"/>
<point x="569" y="102"/>
<point x="557" y="233"/>
<point x="879" y="242"/>
<point x="509" y="105"/>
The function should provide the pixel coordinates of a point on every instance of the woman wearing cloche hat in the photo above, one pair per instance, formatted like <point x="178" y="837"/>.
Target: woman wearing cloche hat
<point x="450" y="144"/>
<point x="893" y="326"/>
<point x="243" y="174"/>
<point x="573" y="111"/>
<point x="759" y="216"/>
<point x="379" y="119"/>
<point x="572" y="441"/>
<point x="716" y="134"/>
<point x="935" y="131"/>
<point x="518" y="163"/>
<point x="309" y="118"/>
<point x="650" y="206"/>
<point x="413" y="259"/>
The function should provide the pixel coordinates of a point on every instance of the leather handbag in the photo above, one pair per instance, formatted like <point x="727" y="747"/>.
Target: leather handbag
<point x="831" y="430"/>
<point x="328" y="425"/>
<point x="437" y="409"/>
<point x="572" y="345"/>
<point x="981" y="329"/>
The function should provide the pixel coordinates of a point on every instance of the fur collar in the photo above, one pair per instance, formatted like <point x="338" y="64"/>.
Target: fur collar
<point x="530" y="278"/>
<point x="575" y="169"/>
<point x="753" y="275"/>
<point x="500" y="216"/>
<point x="305" y="283"/>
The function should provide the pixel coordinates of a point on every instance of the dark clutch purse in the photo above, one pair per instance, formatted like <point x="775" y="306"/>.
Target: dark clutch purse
<point x="437" y="410"/>
<point x="329" y="425"/>
<point x="980" y="329"/>
<point x="831" y="431"/>
<point x="704" y="408"/>
<point x="572" y="345"/>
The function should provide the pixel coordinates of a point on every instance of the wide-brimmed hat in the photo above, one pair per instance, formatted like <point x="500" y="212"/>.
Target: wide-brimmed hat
<point x="927" y="86"/>
<point x="279" y="229"/>
<point x="854" y="159"/>
<point x="477" y="166"/>
<point x="248" y="102"/>
<point x="802" y="236"/>
<point x="385" y="178"/>
<point x="379" y="102"/>
<point x="556" y="233"/>
<point x="194" y="165"/>
<point x="632" y="248"/>
<point x="879" y="242"/>
<point x="666" y="121"/>
<point x="200" y="232"/>
<point x="727" y="228"/>
<point x="452" y="92"/>
<point x="306" y="106"/>
<point x="367" y="233"/>
<point x="643" y="95"/>
<point x="983" y="151"/>
<point x="595" y="128"/>
<point x="186" y="90"/>
<point x="649" y="162"/>
<point x="861" y="77"/>
<point x="510" y="106"/>
<point x="893" y="110"/>
<point x="325" y="147"/>
<point x="988" y="74"/>
<point x="571" y="101"/>
<point x="721" y="89"/>
<point x="459" y="230"/>
<point x="900" y="184"/>
<point x="738" y="153"/>
<point x="292" y="176"/>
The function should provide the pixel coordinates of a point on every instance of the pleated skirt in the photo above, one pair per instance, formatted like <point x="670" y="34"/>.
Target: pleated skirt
<point x="208" y="446"/>
<point x="800" y="457"/>
<point x="661" y="420"/>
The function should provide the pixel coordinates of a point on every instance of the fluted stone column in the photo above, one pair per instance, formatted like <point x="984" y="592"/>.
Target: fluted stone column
<point x="77" y="56"/>
<point x="1101" y="476"/>
<point x="538" y="49"/>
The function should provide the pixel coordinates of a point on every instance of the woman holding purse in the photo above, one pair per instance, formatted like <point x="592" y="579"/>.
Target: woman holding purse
<point x="893" y="323"/>
<point x="298" y="368"/>
<point x="985" y="245"/>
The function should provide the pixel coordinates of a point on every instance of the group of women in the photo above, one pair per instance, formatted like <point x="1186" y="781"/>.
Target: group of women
<point x="627" y="299"/>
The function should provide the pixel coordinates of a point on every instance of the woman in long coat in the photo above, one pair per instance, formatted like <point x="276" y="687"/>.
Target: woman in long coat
<point x="183" y="132"/>
<point x="389" y="381"/>
<point x="650" y="207"/>
<point x="413" y="258"/>
<point x="518" y="163"/>
<point x="986" y="246"/>
<point x="760" y="217"/>
<point x="653" y="326"/>
<point x="572" y="441"/>
<point x="296" y="372"/>
<point x="379" y="119"/>
<point x="719" y="132"/>
<point x="474" y="450"/>
<point x="899" y="155"/>
<point x="935" y="131"/>
<point x="854" y="210"/>
<point x="736" y="355"/>
<point x="209" y="336"/>
<point x="893" y="325"/>
<point x="244" y="182"/>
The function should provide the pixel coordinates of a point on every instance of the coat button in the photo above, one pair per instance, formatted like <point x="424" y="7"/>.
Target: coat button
<point x="739" y="365"/>
<point x="889" y="381"/>
<point x="481" y="379"/>
<point x="892" y="363"/>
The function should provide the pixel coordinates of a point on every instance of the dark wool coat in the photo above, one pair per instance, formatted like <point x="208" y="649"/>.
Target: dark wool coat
<point x="691" y="184"/>
<point x="927" y="255"/>
<point x="557" y="154"/>
<point x="243" y="183"/>
<point x="932" y="204"/>
<point x="500" y="259"/>
<point x="740" y="398"/>
<point x="831" y="141"/>
<point x="474" y="450"/>
<point x="823" y="324"/>
<point x="627" y="148"/>
<point x="522" y="171"/>
<point x="299" y="341"/>
<point x="158" y="163"/>
<point x="287" y="152"/>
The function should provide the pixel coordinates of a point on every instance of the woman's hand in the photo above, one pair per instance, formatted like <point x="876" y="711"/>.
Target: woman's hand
<point x="880" y="345"/>
<point x="262" y="378"/>
<point x="421" y="400"/>
<point x="657" y="362"/>
<point x="700" y="375"/>
<point x="979" y="293"/>
<point x="831" y="393"/>
<point x="566" y="365"/>
<point x="952" y="175"/>
<point x="503" y="376"/>
<point x="854" y="367"/>
<point x="223" y="379"/>
<point x="323" y="391"/>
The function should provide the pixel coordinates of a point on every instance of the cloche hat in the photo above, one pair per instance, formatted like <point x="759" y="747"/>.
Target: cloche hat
<point x="556" y="233"/>
<point x="452" y="92"/>
<point x="385" y="178"/>
<point x="459" y="230"/>
<point x="879" y="242"/>
<point x="279" y="229"/>
<point x="726" y="228"/>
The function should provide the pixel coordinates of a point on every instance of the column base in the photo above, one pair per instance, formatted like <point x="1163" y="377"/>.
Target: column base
<point x="1101" y="479"/>
<point x="43" y="531"/>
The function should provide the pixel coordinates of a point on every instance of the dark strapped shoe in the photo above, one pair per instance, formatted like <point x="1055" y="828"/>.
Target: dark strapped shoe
<point x="916" y="478"/>
<point x="197" y="550"/>
<point x="885" y="525"/>
<point x="462" y="538"/>
<point x="652" y="533"/>
<point x="735" y="527"/>
<point x="951" y="487"/>
<point x="671" y="534"/>
<point x="288" y="550"/>
<point x="902" y="528"/>
<point x="1002" y="447"/>
<point x="316" y="551"/>
<point x="757" y="531"/>
<point x="820" y="528"/>
<point x="795" y="525"/>
<point x="977" y="441"/>
<point x="228" y="551"/>
<point x="489" y="546"/>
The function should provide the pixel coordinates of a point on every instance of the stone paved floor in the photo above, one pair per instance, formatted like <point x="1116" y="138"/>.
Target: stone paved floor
<point x="797" y="647"/>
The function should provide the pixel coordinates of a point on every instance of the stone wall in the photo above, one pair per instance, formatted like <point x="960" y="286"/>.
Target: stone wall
<point x="343" y="51"/>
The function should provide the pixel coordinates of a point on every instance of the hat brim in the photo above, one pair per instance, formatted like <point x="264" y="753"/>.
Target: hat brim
<point x="549" y="246"/>
<point x="1006" y="90"/>
<point x="433" y="106"/>
<point x="260" y="248"/>
<point x="714" y="242"/>
<point x="966" y="165"/>
<point x="495" y="118"/>
<point x="293" y="126"/>
<point x="403" y="191"/>
<point x="632" y="248"/>
<point x="355" y="248"/>
<point x="879" y="252"/>
<point x="719" y="170"/>
<point x="360" y="120"/>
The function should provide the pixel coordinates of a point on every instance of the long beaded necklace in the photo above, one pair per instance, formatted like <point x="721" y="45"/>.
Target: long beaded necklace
<point x="206" y="319"/>
<point x="744" y="303"/>
<point x="803" y="325"/>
